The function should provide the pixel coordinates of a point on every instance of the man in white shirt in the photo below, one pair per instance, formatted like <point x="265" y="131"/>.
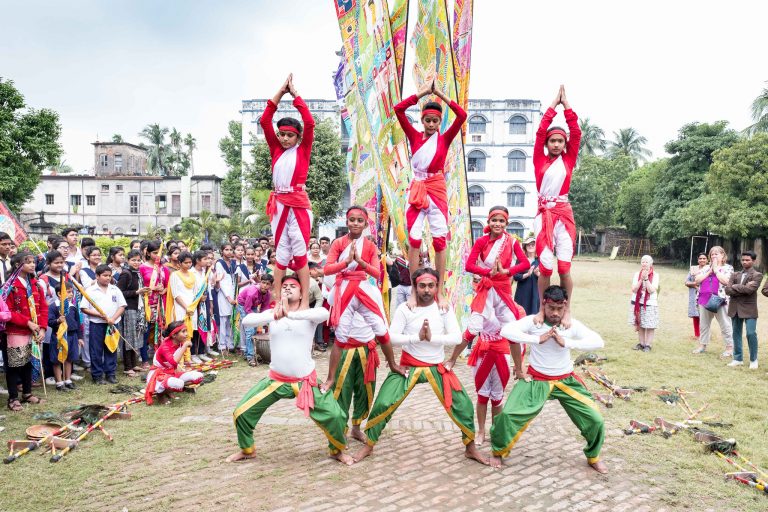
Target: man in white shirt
<point x="550" y="377"/>
<point x="423" y="333"/>
<point x="291" y="374"/>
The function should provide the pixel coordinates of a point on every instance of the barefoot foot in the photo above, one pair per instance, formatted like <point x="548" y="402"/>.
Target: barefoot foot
<point x="495" y="462"/>
<point x="480" y="438"/>
<point x="343" y="458"/>
<point x="599" y="466"/>
<point x="359" y="434"/>
<point x="363" y="453"/>
<point x="473" y="453"/>
<point x="238" y="456"/>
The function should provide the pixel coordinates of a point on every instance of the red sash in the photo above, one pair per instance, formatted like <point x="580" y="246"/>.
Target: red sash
<point x="433" y="186"/>
<point x="298" y="198"/>
<point x="161" y="376"/>
<point x="373" y="356"/>
<point x="342" y="300"/>
<point x="450" y="381"/>
<point x="563" y="212"/>
<point x="306" y="398"/>
<point x="492" y="349"/>
<point x="503" y="286"/>
<point x="541" y="376"/>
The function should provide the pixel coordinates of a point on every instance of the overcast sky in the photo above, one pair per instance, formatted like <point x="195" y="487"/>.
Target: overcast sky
<point x="110" y="67"/>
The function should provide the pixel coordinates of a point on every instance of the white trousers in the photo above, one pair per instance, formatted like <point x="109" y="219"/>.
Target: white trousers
<point x="563" y="244"/>
<point x="493" y="306"/>
<point x="705" y="325"/>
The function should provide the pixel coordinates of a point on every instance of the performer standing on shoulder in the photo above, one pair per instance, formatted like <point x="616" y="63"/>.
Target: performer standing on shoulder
<point x="288" y="208"/>
<point x="291" y="374"/>
<point x="428" y="195"/>
<point x="551" y="369"/>
<point x="554" y="226"/>
<point x="423" y="333"/>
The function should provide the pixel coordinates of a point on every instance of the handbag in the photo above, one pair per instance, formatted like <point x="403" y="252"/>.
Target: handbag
<point x="714" y="303"/>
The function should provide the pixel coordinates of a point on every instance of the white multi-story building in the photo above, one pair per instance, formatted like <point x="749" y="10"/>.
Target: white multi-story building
<point x="119" y="198"/>
<point x="498" y="148"/>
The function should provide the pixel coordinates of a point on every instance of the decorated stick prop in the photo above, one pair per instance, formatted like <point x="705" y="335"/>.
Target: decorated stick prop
<point x="637" y="427"/>
<point x="37" y="340"/>
<point x="111" y="341"/>
<point x="34" y="445"/>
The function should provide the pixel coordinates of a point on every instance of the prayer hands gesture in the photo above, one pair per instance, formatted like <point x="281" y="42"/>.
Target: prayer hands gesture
<point x="291" y="88"/>
<point x="561" y="99"/>
<point x="498" y="269"/>
<point x="286" y="88"/>
<point x="281" y="308"/>
<point x="425" y="334"/>
<point x="558" y="338"/>
<point x="547" y="335"/>
<point x="352" y="253"/>
<point x="427" y="88"/>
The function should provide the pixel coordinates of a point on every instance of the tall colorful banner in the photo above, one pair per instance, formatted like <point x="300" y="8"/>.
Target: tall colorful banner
<point x="462" y="49"/>
<point x="398" y="22"/>
<point x="372" y="88"/>
<point x="11" y="225"/>
<point x="433" y="48"/>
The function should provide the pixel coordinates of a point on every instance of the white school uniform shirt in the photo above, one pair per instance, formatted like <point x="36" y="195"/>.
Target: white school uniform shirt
<point x="290" y="339"/>
<point x="406" y="325"/>
<point x="550" y="358"/>
<point x="226" y="289"/>
<point x="109" y="300"/>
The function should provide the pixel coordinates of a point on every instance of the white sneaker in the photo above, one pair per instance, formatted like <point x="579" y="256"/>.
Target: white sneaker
<point x="77" y="368"/>
<point x="196" y="360"/>
<point x="212" y="353"/>
<point x="3" y="391"/>
<point x="205" y="359"/>
<point x="735" y="363"/>
<point x="75" y="377"/>
<point x="753" y="365"/>
<point x="50" y="381"/>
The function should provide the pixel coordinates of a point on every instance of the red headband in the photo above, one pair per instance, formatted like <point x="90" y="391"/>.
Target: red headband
<point x="426" y="277"/>
<point x="433" y="111"/>
<point x="292" y="278"/>
<point x="550" y="301"/>
<point x="556" y="131"/>
<point x="361" y="210"/>
<point x="288" y="128"/>
<point x="179" y="328"/>
<point x="487" y="228"/>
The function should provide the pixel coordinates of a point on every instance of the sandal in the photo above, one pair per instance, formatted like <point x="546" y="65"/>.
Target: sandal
<point x="129" y="373"/>
<point x="700" y="350"/>
<point x="252" y="362"/>
<point x="137" y="368"/>
<point x="14" y="405"/>
<point x="31" y="399"/>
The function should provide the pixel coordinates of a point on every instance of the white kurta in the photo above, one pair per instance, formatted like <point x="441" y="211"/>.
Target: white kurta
<point x="179" y="290"/>
<point x="226" y="289"/>
<point x="406" y="325"/>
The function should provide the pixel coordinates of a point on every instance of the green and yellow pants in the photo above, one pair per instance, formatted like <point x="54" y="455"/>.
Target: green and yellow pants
<point x="350" y="387"/>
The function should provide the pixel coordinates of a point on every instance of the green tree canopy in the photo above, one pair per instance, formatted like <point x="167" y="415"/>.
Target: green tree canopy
<point x="735" y="203"/>
<point x="636" y="196"/>
<point x="628" y="142"/>
<point x="592" y="138"/>
<point x="760" y="113"/>
<point x="594" y="186"/>
<point x="231" y="151"/>
<point x="29" y="142"/>
<point x="327" y="175"/>
<point x="682" y="180"/>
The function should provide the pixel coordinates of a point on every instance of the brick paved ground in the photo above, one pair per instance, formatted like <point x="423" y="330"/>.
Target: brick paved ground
<point x="418" y="464"/>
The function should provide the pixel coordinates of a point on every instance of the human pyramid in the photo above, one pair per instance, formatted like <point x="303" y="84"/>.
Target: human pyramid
<point x="425" y="324"/>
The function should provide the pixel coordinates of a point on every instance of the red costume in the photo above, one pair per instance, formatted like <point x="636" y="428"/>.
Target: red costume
<point x="289" y="209"/>
<point x="164" y="374"/>
<point x="428" y="197"/>
<point x="18" y="304"/>
<point x="554" y="226"/>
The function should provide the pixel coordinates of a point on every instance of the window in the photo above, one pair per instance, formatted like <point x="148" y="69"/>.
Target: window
<point x="90" y="200"/>
<point x="516" y="161"/>
<point x="103" y="160"/>
<point x="118" y="162"/>
<point x="49" y="199"/>
<point x="75" y="200"/>
<point x="131" y="165"/>
<point x="133" y="228"/>
<point x="161" y="204"/>
<point x="175" y="204"/>
<point x="119" y="188"/>
<point x="206" y="199"/>
<point x="476" y="161"/>
<point x="476" y="124"/>
<point x="259" y="129"/>
<point x="105" y="187"/>
<point x="476" y="196"/>
<point x="134" y="203"/>
<point x="516" y="197"/>
<point x="518" y="125"/>
<point x="477" y="229"/>
<point x="104" y="228"/>
<point x="517" y="229"/>
<point x="477" y="138"/>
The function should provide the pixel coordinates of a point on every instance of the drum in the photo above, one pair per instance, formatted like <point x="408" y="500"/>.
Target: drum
<point x="261" y="343"/>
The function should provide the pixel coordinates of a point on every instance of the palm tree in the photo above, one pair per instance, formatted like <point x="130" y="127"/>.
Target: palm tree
<point x="629" y="143"/>
<point x="759" y="114"/>
<point x="117" y="138"/>
<point x="175" y="158"/>
<point x="61" y="167"/>
<point x="592" y="138"/>
<point x="191" y="144"/>
<point x="156" y="137"/>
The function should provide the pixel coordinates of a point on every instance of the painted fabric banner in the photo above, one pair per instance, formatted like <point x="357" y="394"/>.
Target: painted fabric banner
<point x="373" y="88"/>
<point x="462" y="50"/>
<point x="398" y="22"/>
<point x="431" y="42"/>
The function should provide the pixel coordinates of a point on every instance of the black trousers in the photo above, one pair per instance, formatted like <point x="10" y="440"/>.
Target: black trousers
<point x="15" y="374"/>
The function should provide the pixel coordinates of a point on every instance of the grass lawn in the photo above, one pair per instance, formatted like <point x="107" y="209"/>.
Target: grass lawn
<point x="103" y="476"/>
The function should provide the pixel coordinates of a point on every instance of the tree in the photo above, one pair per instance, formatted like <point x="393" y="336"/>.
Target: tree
<point x="29" y="142"/>
<point x="736" y="200"/>
<point x="231" y="151"/>
<point x="682" y="180"/>
<point x="156" y="137"/>
<point x="592" y="138"/>
<point x="191" y="145"/>
<point x="326" y="180"/>
<point x="117" y="138"/>
<point x="629" y="143"/>
<point x="759" y="114"/>
<point x="593" y="189"/>
<point x="61" y="167"/>
<point x="634" y="204"/>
